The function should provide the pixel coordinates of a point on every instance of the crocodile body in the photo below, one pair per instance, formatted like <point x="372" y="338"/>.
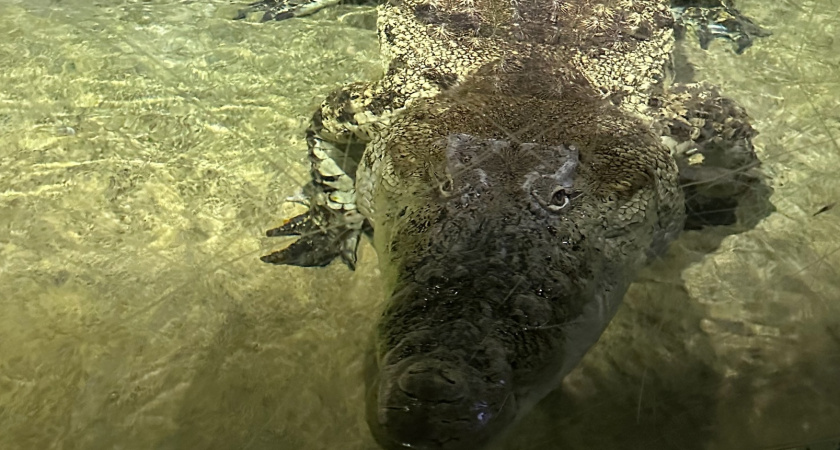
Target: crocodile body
<point x="523" y="160"/>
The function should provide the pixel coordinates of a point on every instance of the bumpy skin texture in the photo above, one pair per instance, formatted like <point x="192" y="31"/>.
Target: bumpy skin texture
<point x="511" y="265"/>
<point x="516" y="179"/>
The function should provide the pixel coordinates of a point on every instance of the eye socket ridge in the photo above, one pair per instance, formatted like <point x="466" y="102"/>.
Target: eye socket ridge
<point x="561" y="197"/>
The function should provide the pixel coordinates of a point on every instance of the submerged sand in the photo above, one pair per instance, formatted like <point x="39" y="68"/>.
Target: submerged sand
<point x="146" y="146"/>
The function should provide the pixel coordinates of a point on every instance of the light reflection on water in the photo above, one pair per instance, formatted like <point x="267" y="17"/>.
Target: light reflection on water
<point x="144" y="148"/>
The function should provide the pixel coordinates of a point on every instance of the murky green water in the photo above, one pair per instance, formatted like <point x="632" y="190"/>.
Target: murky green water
<point x="146" y="145"/>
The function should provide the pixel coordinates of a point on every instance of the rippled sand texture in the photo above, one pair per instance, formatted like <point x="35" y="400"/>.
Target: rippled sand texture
<point x="145" y="147"/>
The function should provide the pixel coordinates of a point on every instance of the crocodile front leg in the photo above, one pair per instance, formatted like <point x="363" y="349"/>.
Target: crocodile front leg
<point x="710" y="137"/>
<point x="711" y="19"/>
<point x="333" y="225"/>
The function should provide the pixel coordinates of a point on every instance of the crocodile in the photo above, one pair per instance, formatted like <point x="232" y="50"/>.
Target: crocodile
<point x="517" y="164"/>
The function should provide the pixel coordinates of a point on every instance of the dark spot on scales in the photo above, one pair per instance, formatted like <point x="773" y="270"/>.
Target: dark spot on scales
<point x="642" y="33"/>
<point x="382" y="103"/>
<point x="458" y="23"/>
<point x="444" y="80"/>
<point x="425" y="13"/>
<point x="347" y="117"/>
<point x="341" y="98"/>
<point x="388" y="31"/>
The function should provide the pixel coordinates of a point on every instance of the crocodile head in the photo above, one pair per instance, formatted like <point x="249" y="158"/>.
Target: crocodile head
<point x="510" y="266"/>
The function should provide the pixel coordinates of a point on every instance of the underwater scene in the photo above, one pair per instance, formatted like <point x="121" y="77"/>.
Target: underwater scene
<point x="147" y="145"/>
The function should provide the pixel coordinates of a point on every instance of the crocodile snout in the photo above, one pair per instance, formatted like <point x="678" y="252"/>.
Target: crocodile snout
<point x="431" y="404"/>
<point x="432" y="382"/>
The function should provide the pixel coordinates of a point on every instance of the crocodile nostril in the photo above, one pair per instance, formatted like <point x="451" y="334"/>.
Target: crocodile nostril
<point x="433" y="383"/>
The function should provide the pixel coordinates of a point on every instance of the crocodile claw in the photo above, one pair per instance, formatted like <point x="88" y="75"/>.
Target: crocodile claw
<point x="296" y="226"/>
<point x="317" y="245"/>
<point x="719" y="22"/>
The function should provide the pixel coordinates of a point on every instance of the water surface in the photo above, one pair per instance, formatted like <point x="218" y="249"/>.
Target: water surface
<point x="146" y="145"/>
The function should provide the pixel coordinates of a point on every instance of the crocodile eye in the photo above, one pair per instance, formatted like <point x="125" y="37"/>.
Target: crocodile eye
<point x="560" y="199"/>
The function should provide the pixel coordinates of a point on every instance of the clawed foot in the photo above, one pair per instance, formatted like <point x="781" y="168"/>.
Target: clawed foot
<point x="284" y="9"/>
<point x="710" y="137"/>
<point x="324" y="236"/>
<point x="723" y="21"/>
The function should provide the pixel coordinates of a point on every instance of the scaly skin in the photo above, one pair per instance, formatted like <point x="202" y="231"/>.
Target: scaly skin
<point x="495" y="295"/>
<point x="516" y="178"/>
<point x="510" y="266"/>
